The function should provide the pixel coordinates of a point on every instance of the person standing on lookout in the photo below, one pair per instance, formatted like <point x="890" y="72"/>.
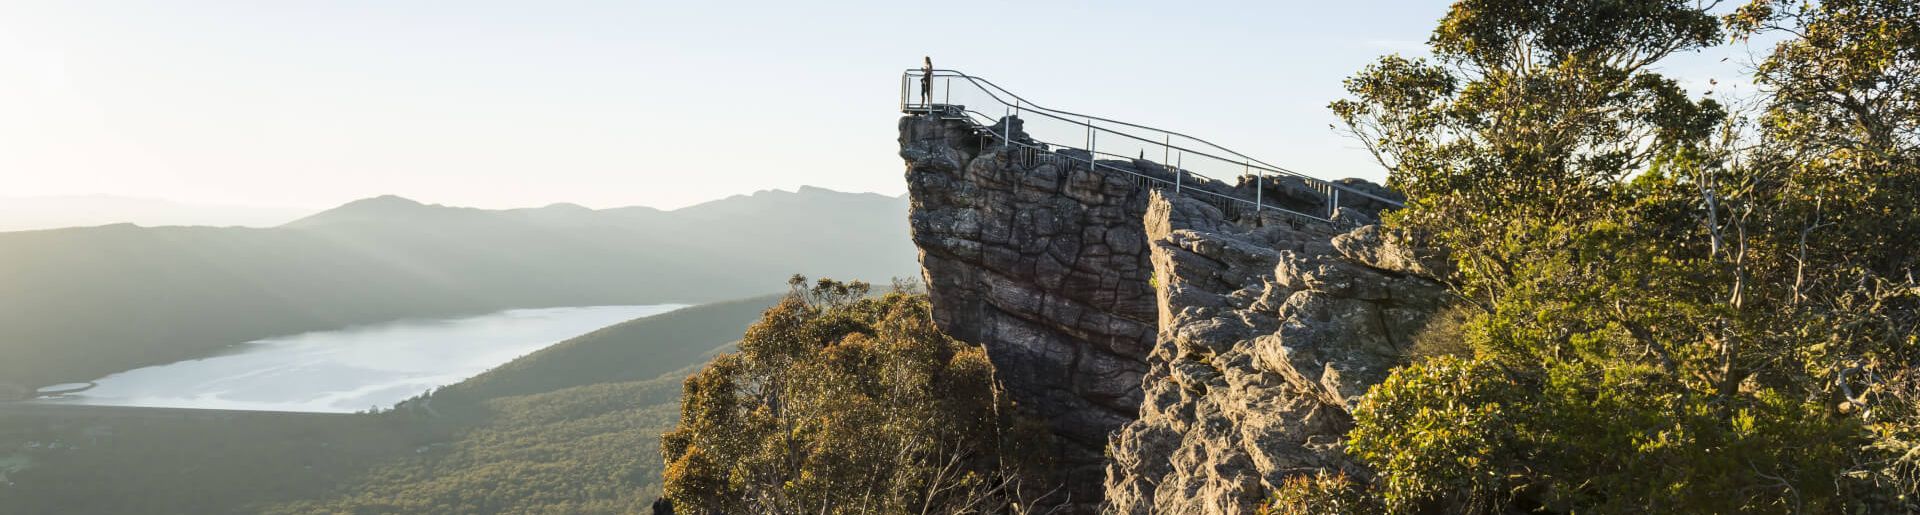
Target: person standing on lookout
<point x="926" y="80"/>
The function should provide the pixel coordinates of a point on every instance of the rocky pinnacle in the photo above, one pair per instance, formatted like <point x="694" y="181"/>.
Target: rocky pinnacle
<point x="1187" y="363"/>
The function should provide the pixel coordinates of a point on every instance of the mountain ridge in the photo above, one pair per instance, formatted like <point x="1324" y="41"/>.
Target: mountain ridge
<point x="99" y="300"/>
<point x="59" y="212"/>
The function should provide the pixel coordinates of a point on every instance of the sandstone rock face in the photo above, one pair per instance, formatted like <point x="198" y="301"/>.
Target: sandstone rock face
<point x="1267" y="336"/>
<point x="1046" y="264"/>
<point x="1186" y="362"/>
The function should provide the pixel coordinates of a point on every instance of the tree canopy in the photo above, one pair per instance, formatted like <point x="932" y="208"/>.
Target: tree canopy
<point x="843" y="402"/>
<point x="1676" y="306"/>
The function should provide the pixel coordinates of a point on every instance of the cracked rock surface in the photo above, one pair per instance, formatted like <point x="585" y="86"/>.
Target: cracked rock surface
<point x="1045" y="264"/>
<point x="1186" y="363"/>
<point x="1267" y="337"/>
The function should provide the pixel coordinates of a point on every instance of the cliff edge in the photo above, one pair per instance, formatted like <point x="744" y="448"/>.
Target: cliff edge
<point x="1187" y="360"/>
<point x="1046" y="264"/>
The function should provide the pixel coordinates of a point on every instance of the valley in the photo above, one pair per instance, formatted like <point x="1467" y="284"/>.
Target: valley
<point x="552" y="417"/>
<point x="88" y="302"/>
<point x="359" y="368"/>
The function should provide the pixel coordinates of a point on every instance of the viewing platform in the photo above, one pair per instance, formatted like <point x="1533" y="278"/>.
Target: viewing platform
<point x="1187" y="166"/>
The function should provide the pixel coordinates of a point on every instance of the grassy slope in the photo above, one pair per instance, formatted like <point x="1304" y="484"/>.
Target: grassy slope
<point x="570" y="429"/>
<point x="144" y="460"/>
<point x="585" y="449"/>
<point x="573" y="428"/>
<point x="634" y="350"/>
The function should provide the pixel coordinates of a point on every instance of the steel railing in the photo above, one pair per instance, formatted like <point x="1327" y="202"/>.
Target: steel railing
<point x="1198" y="187"/>
<point x="1175" y="148"/>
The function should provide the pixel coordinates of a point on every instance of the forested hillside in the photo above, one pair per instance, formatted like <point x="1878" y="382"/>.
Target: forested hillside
<point x="573" y="428"/>
<point x="82" y="303"/>
<point x="570" y="429"/>
<point x="642" y="349"/>
<point x="635" y="350"/>
<point x="581" y="450"/>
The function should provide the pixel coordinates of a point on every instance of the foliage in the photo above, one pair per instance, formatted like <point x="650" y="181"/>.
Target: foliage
<point x="842" y="402"/>
<point x="115" y="460"/>
<point x="572" y="428"/>
<point x="1533" y="111"/>
<point x="1439" y="452"/>
<point x="1832" y="185"/>
<point x="587" y="449"/>
<point x="1672" y="309"/>
<point x="1320" y="494"/>
<point x="1443" y="335"/>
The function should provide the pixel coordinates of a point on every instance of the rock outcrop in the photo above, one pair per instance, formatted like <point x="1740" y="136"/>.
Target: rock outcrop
<point x="1187" y="362"/>
<point x="1046" y="264"/>
<point x="1267" y="337"/>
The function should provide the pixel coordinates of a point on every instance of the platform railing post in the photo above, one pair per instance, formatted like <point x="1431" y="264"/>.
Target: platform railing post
<point x="1006" y="129"/>
<point x="1177" y="158"/>
<point x="1258" y="185"/>
<point x="1333" y="208"/>
<point x="1093" y="158"/>
<point x="1090" y="158"/>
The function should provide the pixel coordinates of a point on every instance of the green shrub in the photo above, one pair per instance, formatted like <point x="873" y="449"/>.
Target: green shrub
<point x="839" y="402"/>
<point x="1320" y="494"/>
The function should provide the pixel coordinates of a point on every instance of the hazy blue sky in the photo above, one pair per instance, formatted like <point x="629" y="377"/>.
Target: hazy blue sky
<point x="508" y="104"/>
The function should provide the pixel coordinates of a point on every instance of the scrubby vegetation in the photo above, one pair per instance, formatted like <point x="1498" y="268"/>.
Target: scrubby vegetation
<point x="109" y="460"/>
<point x="843" y="402"/>
<point x="1320" y="494"/>
<point x="1673" y="304"/>
<point x="572" y="428"/>
<point x="582" y="450"/>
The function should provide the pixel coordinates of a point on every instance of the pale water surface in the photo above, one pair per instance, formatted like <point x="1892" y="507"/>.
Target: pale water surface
<point x="352" y="369"/>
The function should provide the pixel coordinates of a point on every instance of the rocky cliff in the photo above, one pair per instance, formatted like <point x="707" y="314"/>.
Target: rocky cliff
<point x="1187" y="362"/>
<point x="1267" y="337"/>
<point x="1044" y="263"/>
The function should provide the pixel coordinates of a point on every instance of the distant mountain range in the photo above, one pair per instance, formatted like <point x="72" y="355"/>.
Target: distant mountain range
<point x="80" y="303"/>
<point x="35" y="213"/>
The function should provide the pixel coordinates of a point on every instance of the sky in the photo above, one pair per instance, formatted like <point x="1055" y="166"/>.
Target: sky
<point x="513" y="104"/>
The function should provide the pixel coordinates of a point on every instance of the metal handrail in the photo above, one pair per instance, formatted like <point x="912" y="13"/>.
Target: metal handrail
<point x="1094" y="164"/>
<point x="1020" y="104"/>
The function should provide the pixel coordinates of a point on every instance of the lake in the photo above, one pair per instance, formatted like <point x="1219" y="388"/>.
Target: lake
<point x="351" y="369"/>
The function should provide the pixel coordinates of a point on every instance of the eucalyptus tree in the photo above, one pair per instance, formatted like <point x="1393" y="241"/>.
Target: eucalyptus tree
<point x="1666" y="298"/>
<point x="843" y="402"/>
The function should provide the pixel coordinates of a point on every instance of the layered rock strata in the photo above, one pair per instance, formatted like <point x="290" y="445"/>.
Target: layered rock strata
<point x="1046" y="264"/>
<point x="1187" y="363"/>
